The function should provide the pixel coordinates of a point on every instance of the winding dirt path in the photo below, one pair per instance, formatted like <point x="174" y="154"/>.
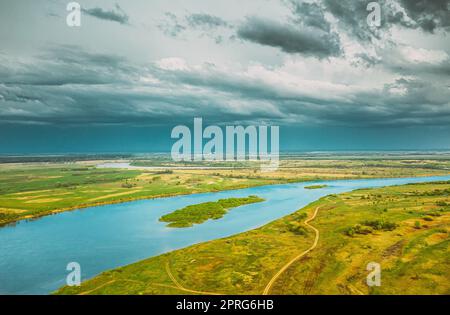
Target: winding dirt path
<point x="293" y="260"/>
<point x="179" y="286"/>
<point x="99" y="287"/>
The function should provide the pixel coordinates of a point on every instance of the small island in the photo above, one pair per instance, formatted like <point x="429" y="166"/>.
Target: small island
<point x="316" y="186"/>
<point x="199" y="213"/>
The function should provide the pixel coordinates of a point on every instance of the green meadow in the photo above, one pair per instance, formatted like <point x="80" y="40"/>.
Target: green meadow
<point x="30" y="191"/>
<point x="199" y="213"/>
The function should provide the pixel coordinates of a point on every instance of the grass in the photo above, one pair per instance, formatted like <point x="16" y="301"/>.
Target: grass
<point x="31" y="190"/>
<point x="316" y="186"/>
<point x="414" y="258"/>
<point x="199" y="213"/>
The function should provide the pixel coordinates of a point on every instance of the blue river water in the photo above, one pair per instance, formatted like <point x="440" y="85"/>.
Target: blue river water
<point x="34" y="254"/>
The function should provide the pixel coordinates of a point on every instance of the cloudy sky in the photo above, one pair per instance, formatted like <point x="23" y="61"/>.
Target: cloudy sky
<point x="135" y="69"/>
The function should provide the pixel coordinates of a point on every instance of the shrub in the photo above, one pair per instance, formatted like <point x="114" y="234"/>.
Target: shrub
<point x="364" y="230"/>
<point x="380" y="225"/>
<point x="127" y="185"/>
<point x="7" y="216"/>
<point x="164" y="172"/>
<point x="367" y="227"/>
<point x="349" y="231"/>
<point x="297" y="228"/>
<point x="358" y="229"/>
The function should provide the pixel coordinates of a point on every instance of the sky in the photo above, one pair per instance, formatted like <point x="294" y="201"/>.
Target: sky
<point x="135" y="69"/>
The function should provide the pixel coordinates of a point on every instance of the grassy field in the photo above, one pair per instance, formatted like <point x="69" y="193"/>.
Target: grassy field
<point x="30" y="190"/>
<point x="404" y="228"/>
<point x="199" y="213"/>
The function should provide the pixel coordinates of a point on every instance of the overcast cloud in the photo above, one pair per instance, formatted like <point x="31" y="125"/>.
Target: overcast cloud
<point x="284" y="62"/>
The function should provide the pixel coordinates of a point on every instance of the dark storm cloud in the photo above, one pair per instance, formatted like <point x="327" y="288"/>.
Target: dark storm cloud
<point x="71" y="86"/>
<point x="352" y="14"/>
<point x="198" y="20"/>
<point x="440" y="71"/>
<point x="62" y="65"/>
<point x="202" y="25"/>
<point x="366" y="60"/>
<point x="420" y="103"/>
<point x="114" y="15"/>
<point x="429" y="15"/>
<point x="309" y="14"/>
<point x="290" y="38"/>
<point x="205" y="25"/>
<point x="170" y="25"/>
<point x="67" y="85"/>
<point x="403" y="102"/>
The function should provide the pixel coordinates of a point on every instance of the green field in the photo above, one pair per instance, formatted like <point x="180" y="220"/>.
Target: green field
<point x="30" y="190"/>
<point x="404" y="228"/>
<point x="199" y="213"/>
